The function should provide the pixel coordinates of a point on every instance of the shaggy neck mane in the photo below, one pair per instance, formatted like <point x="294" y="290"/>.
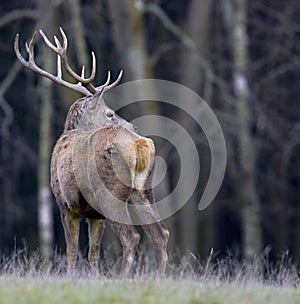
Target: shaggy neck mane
<point x="74" y="115"/>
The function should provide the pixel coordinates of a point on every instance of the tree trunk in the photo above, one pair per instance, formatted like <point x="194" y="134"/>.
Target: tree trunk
<point x="78" y="33"/>
<point x="296" y="242"/>
<point x="193" y="76"/>
<point x="128" y="29"/>
<point x="251" y="224"/>
<point x="45" y="211"/>
<point x="129" y="36"/>
<point x="129" y="39"/>
<point x="198" y="22"/>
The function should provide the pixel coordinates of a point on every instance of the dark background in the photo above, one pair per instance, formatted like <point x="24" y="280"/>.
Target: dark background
<point x="206" y="45"/>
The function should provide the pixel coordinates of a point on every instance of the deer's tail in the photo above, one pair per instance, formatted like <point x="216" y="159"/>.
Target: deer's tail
<point x="144" y="153"/>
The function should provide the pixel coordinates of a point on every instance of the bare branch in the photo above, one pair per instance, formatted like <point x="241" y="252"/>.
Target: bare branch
<point x="176" y="31"/>
<point x="10" y="77"/>
<point x="293" y="139"/>
<point x="278" y="71"/>
<point x="188" y="43"/>
<point x="8" y="112"/>
<point x="18" y="14"/>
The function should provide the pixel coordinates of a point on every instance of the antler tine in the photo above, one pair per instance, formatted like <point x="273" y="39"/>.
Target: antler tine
<point x="106" y="88"/>
<point x="18" y="53"/>
<point x="99" y="88"/>
<point x="59" y="72"/>
<point x="30" y="63"/>
<point x="83" y="71"/>
<point x="58" y="45"/>
<point x="50" y="44"/>
<point x="61" y="50"/>
<point x="65" y="39"/>
<point x="84" y="85"/>
<point x="70" y="71"/>
<point x="81" y="78"/>
<point x="30" y="48"/>
<point x="68" y="68"/>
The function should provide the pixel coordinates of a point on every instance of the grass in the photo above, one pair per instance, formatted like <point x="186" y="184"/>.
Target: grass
<point x="50" y="290"/>
<point x="26" y="279"/>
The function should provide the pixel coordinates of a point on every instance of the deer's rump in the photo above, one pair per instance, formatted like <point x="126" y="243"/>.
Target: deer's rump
<point x="103" y="166"/>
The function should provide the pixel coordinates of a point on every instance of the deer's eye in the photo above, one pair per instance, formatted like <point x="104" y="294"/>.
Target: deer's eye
<point x="109" y="114"/>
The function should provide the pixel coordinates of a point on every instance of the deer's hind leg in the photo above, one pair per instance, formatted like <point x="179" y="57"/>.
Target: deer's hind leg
<point x="156" y="230"/>
<point x="96" y="229"/>
<point x="71" y="225"/>
<point x="130" y="239"/>
<point x="159" y="235"/>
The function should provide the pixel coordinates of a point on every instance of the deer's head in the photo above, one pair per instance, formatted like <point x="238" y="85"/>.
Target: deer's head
<point x="89" y="112"/>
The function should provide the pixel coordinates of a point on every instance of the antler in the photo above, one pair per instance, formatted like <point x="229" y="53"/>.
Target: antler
<point x="84" y="85"/>
<point x="32" y="66"/>
<point x="61" y="50"/>
<point x="108" y="87"/>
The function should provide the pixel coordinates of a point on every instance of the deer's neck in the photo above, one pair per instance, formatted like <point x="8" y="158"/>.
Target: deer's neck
<point x="74" y="115"/>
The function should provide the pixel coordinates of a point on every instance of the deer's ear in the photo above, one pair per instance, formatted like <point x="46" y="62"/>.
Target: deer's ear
<point x="95" y="100"/>
<point x="99" y="94"/>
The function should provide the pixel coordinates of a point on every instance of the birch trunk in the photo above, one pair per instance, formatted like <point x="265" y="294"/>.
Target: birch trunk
<point x="251" y="225"/>
<point x="45" y="211"/>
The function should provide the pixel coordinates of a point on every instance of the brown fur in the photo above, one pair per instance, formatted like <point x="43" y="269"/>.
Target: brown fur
<point x="94" y="158"/>
<point x="114" y="150"/>
<point x="74" y="114"/>
<point x="142" y="154"/>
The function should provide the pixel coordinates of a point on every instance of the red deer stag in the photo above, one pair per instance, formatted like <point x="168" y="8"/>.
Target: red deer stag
<point x="117" y="174"/>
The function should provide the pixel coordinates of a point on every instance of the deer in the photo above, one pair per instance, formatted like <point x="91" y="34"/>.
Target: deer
<point x="99" y="188"/>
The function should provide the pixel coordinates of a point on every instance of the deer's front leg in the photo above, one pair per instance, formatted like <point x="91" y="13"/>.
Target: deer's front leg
<point x="130" y="239"/>
<point x="71" y="226"/>
<point x="96" y="228"/>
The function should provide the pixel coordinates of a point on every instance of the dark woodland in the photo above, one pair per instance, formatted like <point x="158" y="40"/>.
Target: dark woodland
<point x="205" y="45"/>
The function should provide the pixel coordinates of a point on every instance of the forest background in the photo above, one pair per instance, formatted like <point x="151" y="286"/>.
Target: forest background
<point x="210" y="46"/>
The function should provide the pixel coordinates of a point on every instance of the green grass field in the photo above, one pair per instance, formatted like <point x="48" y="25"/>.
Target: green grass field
<point x="60" y="290"/>
<point x="27" y="280"/>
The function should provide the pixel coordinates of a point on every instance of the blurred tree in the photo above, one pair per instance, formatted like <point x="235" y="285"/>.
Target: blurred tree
<point x="45" y="90"/>
<point x="130" y="39"/>
<point x="246" y="182"/>
<point x="128" y="30"/>
<point x="78" y="39"/>
<point x="247" y="67"/>
<point x="195" y="76"/>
